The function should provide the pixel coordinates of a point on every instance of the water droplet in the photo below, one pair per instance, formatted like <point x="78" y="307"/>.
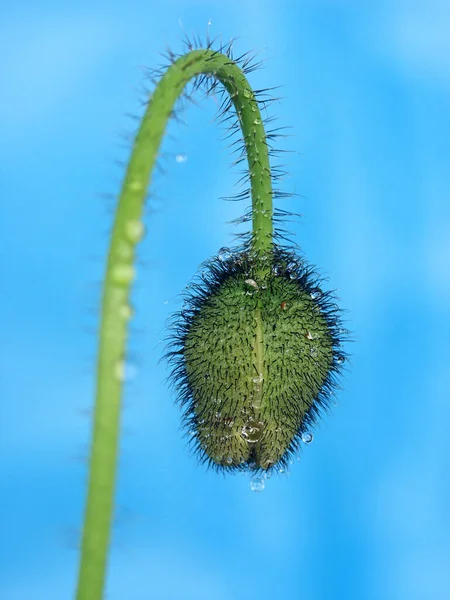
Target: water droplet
<point x="313" y="351"/>
<point x="135" y="185"/>
<point x="229" y="460"/>
<point x="252" y="431"/>
<point x="224" y="254"/>
<point x="218" y="415"/>
<point x="344" y="331"/>
<point x="259" y="379"/>
<point x="209" y="22"/>
<point x="340" y="360"/>
<point x="257" y="122"/>
<point x="124" y="371"/>
<point x="134" y="230"/>
<point x="125" y="311"/>
<point x="181" y="158"/>
<point x="316" y="293"/>
<point x="257" y="484"/>
<point x="123" y="274"/>
<point x="247" y="93"/>
<point x="252" y="283"/>
<point x="307" y="437"/>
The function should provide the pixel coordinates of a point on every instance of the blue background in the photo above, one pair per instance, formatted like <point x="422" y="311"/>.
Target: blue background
<point x="365" y="513"/>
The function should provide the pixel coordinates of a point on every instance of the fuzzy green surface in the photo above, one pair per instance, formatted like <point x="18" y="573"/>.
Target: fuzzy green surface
<point x="256" y="357"/>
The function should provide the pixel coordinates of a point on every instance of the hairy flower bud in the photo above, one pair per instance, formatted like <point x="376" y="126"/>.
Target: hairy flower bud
<point x="254" y="358"/>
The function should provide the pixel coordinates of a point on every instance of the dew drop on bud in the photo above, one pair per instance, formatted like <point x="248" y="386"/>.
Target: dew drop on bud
<point x="307" y="437"/>
<point x="252" y="283"/>
<point x="224" y="254"/>
<point x="252" y="431"/>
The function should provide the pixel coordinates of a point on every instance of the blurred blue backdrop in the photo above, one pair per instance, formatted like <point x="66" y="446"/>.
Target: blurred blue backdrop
<point x="364" y="514"/>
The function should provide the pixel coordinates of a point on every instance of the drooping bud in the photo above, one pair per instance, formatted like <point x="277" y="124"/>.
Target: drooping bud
<point x="254" y="359"/>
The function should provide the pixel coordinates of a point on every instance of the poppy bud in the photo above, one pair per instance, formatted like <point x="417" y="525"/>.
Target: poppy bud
<point x="254" y="358"/>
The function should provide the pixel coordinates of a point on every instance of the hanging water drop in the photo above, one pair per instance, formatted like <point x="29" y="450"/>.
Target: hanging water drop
<point x="307" y="437"/>
<point x="257" y="484"/>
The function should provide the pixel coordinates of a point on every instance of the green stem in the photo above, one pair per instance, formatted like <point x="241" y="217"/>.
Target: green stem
<point x="126" y="233"/>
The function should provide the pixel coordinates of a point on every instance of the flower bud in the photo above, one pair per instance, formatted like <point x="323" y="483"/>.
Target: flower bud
<point x="254" y="358"/>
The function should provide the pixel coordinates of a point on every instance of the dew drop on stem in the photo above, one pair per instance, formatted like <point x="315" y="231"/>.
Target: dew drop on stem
<point x="134" y="230"/>
<point x="124" y="370"/>
<point x="123" y="274"/>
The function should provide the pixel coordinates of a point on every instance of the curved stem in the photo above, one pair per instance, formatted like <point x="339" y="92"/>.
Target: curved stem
<point x="126" y="233"/>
